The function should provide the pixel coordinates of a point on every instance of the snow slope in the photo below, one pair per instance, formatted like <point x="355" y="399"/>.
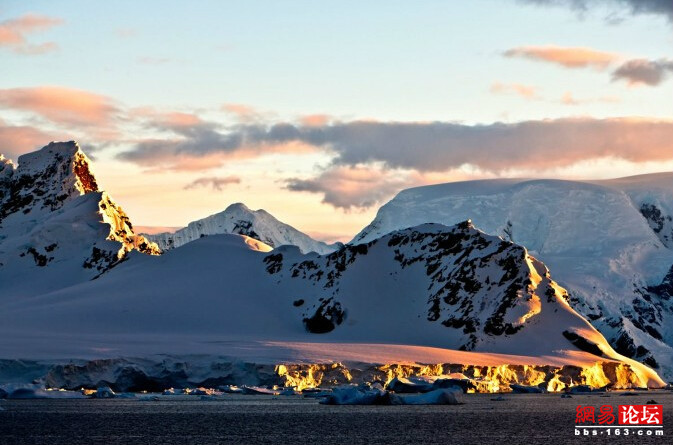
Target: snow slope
<point x="238" y="219"/>
<point x="434" y="286"/>
<point x="608" y="243"/>
<point x="56" y="227"/>
<point x="76" y="282"/>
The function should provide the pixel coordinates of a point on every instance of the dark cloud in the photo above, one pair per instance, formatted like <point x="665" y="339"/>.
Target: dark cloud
<point x="642" y="71"/>
<point x="216" y="183"/>
<point x="190" y="137"/>
<point x="353" y="187"/>
<point x="435" y="146"/>
<point x="659" y="7"/>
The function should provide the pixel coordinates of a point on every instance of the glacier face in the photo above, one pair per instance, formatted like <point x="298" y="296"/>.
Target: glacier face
<point x="607" y="242"/>
<point x="239" y="219"/>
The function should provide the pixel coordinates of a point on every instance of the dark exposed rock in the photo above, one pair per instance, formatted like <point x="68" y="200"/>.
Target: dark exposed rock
<point x="326" y="317"/>
<point x="582" y="343"/>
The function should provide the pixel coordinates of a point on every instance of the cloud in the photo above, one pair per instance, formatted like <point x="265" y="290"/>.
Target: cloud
<point x="239" y="109"/>
<point x="635" y="71"/>
<point x="14" y="33"/>
<point x="524" y="91"/>
<point x="349" y="187"/>
<point x="216" y="183"/>
<point x="569" y="99"/>
<point x="245" y="113"/>
<point x="315" y="120"/>
<point x="658" y="7"/>
<point x="567" y="57"/>
<point x="61" y="105"/>
<point x="196" y="144"/>
<point x="17" y="140"/>
<point x="422" y="146"/>
<point x="644" y="72"/>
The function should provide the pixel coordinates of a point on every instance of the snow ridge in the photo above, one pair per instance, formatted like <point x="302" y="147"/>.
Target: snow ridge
<point x="239" y="219"/>
<point x="431" y="285"/>
<point x="608" y="242"/>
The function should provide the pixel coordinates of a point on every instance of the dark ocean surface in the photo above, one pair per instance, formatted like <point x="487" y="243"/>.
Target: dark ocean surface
<point x="237" y="419"/>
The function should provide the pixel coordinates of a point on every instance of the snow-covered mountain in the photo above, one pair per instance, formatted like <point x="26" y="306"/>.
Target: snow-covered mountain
<point x="431" y="285"/>
<point x="427" y="286"/>
<point x="607" y="242"/>
<point x="56" y="227"/>
<point x="239" y="219"/>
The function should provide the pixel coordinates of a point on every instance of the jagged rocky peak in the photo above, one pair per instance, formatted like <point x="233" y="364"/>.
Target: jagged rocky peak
<point x="6" y="173"/>
<point x="121" y="229"/>
<point x="47" y="178"/>
<point x="55" y="221"/>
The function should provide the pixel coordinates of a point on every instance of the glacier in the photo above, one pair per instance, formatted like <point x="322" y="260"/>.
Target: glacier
<point x="608" y="243"/>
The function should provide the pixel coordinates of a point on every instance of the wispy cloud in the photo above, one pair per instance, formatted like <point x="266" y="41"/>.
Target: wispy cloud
<point x="213" y="182"/>
<point x="565" y="56"/>
<point x="61" y="105"/>
<point x="633" y="71"/>
<point x="14" y="34"/>
<point x="525" y="91"/>
<point x="568" y="98"/>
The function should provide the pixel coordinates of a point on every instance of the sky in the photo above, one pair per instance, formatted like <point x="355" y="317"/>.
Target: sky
<point x="320" y="112"/>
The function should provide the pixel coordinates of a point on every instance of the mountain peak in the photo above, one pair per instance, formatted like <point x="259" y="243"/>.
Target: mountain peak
<point x="239" y="219"/>
<point x="66" y="156"/>
<point x="238" y="206"/>
<point x="47" y="178"/>
<point x="54" y="221"/>
<point x="6" y="173"/>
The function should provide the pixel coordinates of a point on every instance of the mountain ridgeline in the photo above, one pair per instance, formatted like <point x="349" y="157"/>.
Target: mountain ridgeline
<point x="421" y="274"/>
<point x="56" y="227"/>
<point x="607" y="242"/>
<point x="239" y="219"/>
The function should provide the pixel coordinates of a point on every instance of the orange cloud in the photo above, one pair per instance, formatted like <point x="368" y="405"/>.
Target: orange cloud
<point x="315" y="120"/>
<point x="569" y="99"/>
<point x="526" y="91"/>
<point x="13" y="33"/>
<point x="567" y="57"/>
<point x="178" y="119"/>
<point x="17" y="140"/>
<point x="239" y="109"/>
<point x="61" y="105"/>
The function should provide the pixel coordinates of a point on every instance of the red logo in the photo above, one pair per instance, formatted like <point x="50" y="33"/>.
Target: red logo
<point x="606" y="415"/>
<point x="640" y="415"/>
